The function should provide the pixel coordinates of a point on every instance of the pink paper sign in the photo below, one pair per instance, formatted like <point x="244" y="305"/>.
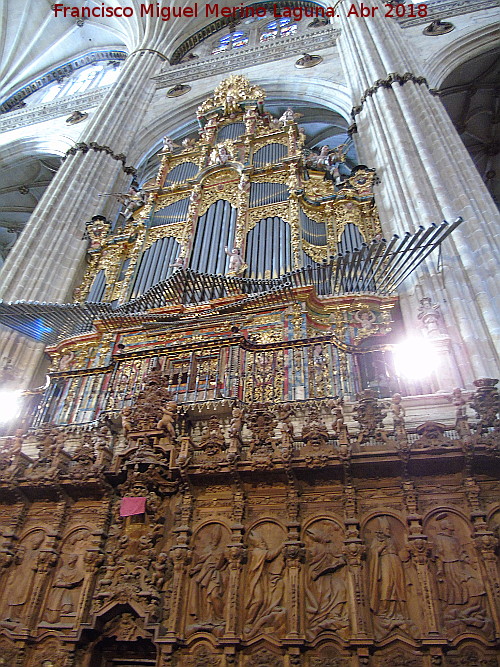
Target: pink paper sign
<point x="133" y="505"/>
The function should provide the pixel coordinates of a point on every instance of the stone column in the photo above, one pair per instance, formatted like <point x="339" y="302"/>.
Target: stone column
<point x="47" y="259"/>
<point x="426" y="176"/>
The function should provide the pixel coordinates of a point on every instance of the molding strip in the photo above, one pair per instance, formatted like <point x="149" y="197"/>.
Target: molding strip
<point x="392" y="78"/>
<point x="285" y="47"/>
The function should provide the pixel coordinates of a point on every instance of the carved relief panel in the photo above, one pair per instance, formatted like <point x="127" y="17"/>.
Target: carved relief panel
<point x="325" y="587"/>
<point x="20" y="577"/>
<point x="208" y="574"/>
<point x="460" y="587"/>
<point x="64" y="594"/>
<point x="264" y="582"/>
<point x="392" y="586"/>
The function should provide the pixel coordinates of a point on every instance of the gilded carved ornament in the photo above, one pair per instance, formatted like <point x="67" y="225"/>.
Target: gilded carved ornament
<point x="315" y="252"/>
<point x="229" y="93"/>
<point x="255" y="215"/>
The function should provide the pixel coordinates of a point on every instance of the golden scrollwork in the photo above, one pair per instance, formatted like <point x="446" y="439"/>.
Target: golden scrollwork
<point x="211" y="195"/>
<point x="233" y="90"/>
<point x="316" y="252"/>
<point x="277" y="176"/>
<point x="262" y="212"/>
<point x="176" y="230"/>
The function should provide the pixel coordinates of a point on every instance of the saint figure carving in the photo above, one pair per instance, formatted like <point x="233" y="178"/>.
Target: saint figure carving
<point x="265" y="588"/>
<point x="18" y="588"/>
<point x="387" y="586"/>
<point x="207" y="599"/>
<point x="460" y="588"/>
<point x="326" y="594"/>
<point x="65" y="593"/>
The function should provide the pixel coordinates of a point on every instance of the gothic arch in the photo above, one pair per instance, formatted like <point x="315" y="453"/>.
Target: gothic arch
<point x="460" y="51"/>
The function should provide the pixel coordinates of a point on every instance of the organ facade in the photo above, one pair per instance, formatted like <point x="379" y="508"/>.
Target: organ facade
<point x="225" y="467"/>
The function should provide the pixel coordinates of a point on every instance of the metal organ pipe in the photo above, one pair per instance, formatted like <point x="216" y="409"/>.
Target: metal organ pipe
<point x="98" y="288"/>
<point x="313" y="232"/>
<point x="231" y="131"/>
<point x="214" y="231"/>
<point x="267" y="193"/>
<point x="269" y="154"/>
<point x="176" y="212"/>
<point x="181" y="172"/>
<point x="154" y="265"/>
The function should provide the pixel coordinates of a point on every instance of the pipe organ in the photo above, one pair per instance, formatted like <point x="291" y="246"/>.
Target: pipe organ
<point x="244" y="184"/>
<point x="224" y="468"/>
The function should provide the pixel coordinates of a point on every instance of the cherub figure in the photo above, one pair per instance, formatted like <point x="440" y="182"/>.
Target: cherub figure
<point x="168" y="144"/>
<point x="178" y="263"/>
<point x="168" y="419"/>
<point x="289" y="116"/>
<point x="236" y="263"/>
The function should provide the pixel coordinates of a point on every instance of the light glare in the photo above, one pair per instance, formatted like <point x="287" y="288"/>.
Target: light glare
<point x="10" y="405"/>
<point x="415" y="358"/>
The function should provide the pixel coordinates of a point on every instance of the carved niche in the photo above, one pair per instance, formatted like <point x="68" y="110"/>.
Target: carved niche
<point x="391" y="578"/>
<point x="64" y="593"/>
<point x="20" y="576"/>
<point x="208" y="575"/>
<point x="324" y="580"/>
<point x="8" y="652"/>
<point x="460" y="587"/>
<point x="49" y="653"/>
<point x="264" y="583"/>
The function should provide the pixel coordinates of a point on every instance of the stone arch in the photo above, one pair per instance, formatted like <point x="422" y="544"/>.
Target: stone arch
<point x="460" y="51"/>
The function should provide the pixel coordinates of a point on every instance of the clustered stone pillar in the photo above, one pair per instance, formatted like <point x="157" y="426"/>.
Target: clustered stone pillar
<point x="427" y="175"/>
<point x="47" y="260"/>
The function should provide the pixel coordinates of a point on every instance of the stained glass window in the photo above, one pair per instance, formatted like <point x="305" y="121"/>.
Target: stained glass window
<point x="232" y="40"/>
<point x="280" y="28"/>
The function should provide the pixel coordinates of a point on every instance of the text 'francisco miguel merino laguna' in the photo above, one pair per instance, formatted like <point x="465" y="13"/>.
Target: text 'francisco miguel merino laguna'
<point x="155" y="10"/>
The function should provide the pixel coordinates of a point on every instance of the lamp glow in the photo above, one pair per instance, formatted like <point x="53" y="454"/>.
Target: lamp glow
<point x="415" y="358"/>
<point x="10" y="405"/>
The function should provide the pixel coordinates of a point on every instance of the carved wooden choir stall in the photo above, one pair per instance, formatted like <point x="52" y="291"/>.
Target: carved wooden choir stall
<point x="224" y="469"/>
